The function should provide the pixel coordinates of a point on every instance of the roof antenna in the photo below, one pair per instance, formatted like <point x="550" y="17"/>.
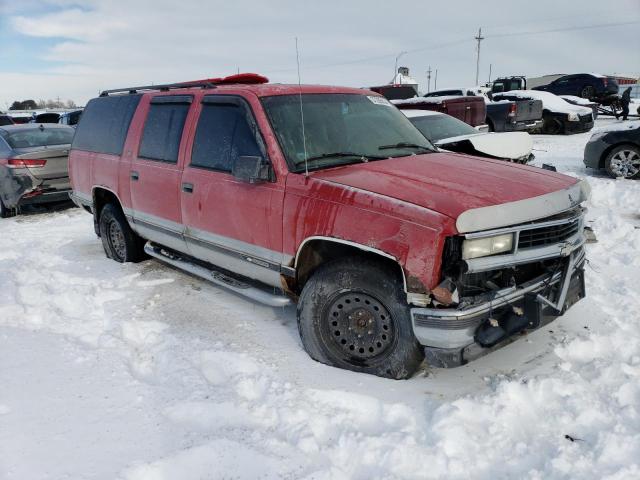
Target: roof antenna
<point x="304" y="140"/>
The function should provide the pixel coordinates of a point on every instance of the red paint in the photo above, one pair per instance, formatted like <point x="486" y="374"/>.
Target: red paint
<point x="405" y="207"/>
<point x="471" y="110"/>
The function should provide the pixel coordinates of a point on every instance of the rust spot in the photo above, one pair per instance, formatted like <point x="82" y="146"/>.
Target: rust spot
<point x="414" y="285"/>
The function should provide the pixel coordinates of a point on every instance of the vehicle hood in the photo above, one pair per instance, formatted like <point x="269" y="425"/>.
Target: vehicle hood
<point x="512" y="145"/>
<point x="448" y="183"/>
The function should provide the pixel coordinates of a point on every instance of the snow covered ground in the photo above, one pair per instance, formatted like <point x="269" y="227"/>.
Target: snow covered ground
<point x="141" y="372"/>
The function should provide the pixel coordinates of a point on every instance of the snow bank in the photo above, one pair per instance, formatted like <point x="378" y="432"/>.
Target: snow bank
<point x="121" y="374"/>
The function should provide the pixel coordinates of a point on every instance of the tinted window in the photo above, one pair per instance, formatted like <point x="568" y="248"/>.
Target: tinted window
<point x="163" y="131"/>
<point x="38" y="137"/>
<point x="224" y="133"/>
<point x="105" y="123"/>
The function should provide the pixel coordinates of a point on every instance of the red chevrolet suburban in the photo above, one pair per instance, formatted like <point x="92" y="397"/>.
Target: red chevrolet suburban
<point x="330" y="197"/>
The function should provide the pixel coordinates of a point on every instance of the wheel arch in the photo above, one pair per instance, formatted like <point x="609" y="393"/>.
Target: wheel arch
<point x="315" y="251"/>
<point x="101" y="196"/>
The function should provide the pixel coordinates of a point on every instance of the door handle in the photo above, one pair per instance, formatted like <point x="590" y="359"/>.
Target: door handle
<point x="135" y="176"/>
<point x="187" y="187"/>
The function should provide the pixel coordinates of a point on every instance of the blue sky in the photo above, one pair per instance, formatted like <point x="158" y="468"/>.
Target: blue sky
<point x="71" y="50"/>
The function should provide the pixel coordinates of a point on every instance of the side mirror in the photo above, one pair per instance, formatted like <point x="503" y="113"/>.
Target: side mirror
<point x="251" y="169"/>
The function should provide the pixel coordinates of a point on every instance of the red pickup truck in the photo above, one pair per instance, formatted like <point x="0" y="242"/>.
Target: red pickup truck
<point x="471" y="110"/>
<point x="330" y="197"/>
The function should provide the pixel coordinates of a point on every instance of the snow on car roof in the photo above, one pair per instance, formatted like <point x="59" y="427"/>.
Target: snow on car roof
<point x="618" y="126"/>
<point x="421" y="113"/>
<point x="549" y="101"/>
<point x="419" y="100"/>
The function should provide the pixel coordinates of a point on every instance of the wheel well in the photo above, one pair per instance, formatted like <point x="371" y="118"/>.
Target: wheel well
<point x="490" y="124"/>
<point x="315" y="253"/>
<point x="102" y="197"/>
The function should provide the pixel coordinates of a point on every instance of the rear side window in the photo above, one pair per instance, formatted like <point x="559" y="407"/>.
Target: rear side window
<point x="105" y="123"/>
<point x="163" y="128"/>
<point x="39" y="137"/>
<point x="225" y="132"/>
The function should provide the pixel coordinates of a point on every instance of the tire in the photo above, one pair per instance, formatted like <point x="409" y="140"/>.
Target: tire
<point x="623" y="161"/>
<point x="490" y="125"/>
<point x="353" y="314"/>
<point x="588" y="91"/>
<point x="120" y="242"/>
<point x="5" y="212"/>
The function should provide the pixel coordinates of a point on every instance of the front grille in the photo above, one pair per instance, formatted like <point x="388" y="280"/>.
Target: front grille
<point x="537" y="237"/>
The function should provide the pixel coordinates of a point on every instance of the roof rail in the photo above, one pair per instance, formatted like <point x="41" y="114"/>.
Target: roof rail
<point x="240" y="78"/>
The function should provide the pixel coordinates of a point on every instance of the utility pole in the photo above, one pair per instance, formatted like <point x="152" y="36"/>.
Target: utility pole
<point x="429" y="79"/>
<point x="435" y="84"/>
<point x="395" y="72"/>
<point x="479" y="38"/>
<point x="490" y="65"/>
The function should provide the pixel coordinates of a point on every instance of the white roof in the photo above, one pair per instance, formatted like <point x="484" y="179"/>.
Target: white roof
<point x="549" y="101"/>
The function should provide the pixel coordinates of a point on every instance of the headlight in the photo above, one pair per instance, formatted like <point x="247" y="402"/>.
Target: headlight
<point x="482" y="247"/>
<point x="574" y="117"/>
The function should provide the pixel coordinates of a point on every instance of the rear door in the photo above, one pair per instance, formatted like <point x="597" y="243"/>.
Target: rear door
<point x="155" y="171"/>
<point x="229" y="223"/>
<point x="528" y="110"/>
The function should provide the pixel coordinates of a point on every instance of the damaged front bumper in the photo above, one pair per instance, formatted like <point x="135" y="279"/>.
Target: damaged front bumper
<point x="453" y="336"/>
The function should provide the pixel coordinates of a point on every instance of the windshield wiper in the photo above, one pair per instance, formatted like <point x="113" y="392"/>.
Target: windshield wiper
<point x="364" y="157"/>
<point x="404" y="145"/>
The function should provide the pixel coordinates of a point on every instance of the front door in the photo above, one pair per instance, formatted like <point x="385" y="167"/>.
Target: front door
<point x="229" y="223"/>
<point x="156" y="170"/>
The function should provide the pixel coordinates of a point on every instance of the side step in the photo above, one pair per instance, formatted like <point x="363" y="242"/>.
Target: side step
<point x="217" y="277"/>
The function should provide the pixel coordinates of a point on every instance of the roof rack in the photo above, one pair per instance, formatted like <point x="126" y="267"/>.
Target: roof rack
<point x="240" y="78"/>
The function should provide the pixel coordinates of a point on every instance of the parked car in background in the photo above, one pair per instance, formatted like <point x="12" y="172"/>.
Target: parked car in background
<point x="33" y="165"/>
<point x="615" y="149"/>
<point x="471" y="110"/>
<point x="584" y="85"/>
<point x="452" y="134"/>
<point x="70" y="118"/>
<point x="559" y="116"/>
<point x="5" y="120"/>
<point x="583" y="102"/>
<point x="503" y="116"/>
<point x="395" y="92"/>
<point x="46" y="117"/>
<point x="390" y="247"/>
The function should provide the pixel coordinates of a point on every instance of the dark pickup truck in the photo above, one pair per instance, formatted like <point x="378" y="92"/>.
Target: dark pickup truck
<point x="503" y="116"/>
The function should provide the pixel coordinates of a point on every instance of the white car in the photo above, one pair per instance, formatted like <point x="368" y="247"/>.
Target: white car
<point x="449" y="133"/>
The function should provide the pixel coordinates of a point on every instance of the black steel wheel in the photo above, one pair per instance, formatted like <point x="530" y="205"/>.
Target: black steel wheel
<point x="120" y="243"/>
<point x="353" y="314"/>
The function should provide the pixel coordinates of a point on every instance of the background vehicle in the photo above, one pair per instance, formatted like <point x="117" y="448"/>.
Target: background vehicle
<point x="47" y="117"/>
<point x="471" y="110"/>
<point x="388" y="245"/>
<point x="454" y="135"/>
<point x="559" y="116"/>
<point x="583" y="102"/>
<point x="504" y="116"/>
<point x="33" y="165"/>
<point x="585" y="85"/>
<point x="6" y="120"/>
<point x="616" y="150"/>
<point x="70" y="118"/>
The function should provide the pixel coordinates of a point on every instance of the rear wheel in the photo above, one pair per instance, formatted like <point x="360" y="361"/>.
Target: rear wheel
<point x="120" y="242"/>
<point x="623" y="161"/>
<point x="353" y="314"/>
<point x="588" y="91"/>
<point x="4" y="211"/>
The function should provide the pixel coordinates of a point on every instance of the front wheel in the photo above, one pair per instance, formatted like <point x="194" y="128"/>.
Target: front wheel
<point x="353" y="314"/>
<point x="119" y="241"/>
<point x="623" y="161"/>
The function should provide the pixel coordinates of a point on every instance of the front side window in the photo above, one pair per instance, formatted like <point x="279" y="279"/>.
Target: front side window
<point x="163" y="129"/>
<point x="341" y="129"/>
<point x="224" y="133"/>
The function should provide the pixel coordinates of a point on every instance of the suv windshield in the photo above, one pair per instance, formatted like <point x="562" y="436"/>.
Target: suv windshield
<point x="341" y="129"/>
<point x="437" y="127"/>
<point x="38" y="137"/>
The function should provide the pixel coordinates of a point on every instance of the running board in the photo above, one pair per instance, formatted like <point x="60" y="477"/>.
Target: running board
<point x="217" y="277"/>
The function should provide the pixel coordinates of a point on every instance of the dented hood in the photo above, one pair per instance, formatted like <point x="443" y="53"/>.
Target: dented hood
<point x="512" y="145"/>
<point x="450" y="183"/>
